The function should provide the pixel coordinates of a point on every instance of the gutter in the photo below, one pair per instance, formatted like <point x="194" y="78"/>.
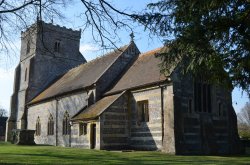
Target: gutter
<point x="136" y="87"/>
<point x="61" y="95"/>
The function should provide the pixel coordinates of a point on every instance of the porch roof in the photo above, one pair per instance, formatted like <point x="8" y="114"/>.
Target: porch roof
<point x="97" y="109"/>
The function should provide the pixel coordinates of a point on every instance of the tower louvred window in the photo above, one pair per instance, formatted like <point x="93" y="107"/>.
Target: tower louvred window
<point x="57" y="46"/>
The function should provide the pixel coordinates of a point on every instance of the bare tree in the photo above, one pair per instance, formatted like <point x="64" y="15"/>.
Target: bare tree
<point x="105" y="21"/>
<point x="17" y="15"/>
<point x="99" y="17"/>
<point x="244" y="121"/>
<point x="3" y="112"/>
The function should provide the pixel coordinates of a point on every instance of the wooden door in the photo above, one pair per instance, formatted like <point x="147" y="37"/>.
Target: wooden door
<point x="93" y="136"/>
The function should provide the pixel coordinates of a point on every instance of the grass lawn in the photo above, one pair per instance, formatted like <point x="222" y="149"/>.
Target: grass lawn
<point x="12" y="154"/>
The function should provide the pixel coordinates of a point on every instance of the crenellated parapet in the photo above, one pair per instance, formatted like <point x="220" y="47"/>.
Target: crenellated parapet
<point x="41" y="25"/>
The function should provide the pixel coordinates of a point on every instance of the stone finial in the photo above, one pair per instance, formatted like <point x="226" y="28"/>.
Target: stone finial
<point x="132" y="37"/>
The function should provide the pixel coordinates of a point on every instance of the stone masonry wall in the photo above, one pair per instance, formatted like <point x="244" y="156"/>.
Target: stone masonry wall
<point x="146" y="135"/>
<point x="203" y="132"/>
<point x="72" y="104"/>
<point x="114" y="125"/>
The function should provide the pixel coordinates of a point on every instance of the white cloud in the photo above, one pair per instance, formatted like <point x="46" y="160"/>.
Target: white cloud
<point x="89" y="51"/>
<point x="85" y="48"/>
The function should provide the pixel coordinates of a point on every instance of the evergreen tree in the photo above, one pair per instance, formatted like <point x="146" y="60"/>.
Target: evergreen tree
<point x="213" y="35"/>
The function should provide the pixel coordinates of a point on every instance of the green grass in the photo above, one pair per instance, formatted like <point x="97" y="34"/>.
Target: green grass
<point x="13" y="154"/>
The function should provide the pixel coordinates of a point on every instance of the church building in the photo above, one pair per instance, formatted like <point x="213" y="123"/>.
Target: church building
<point x="118" y="101"/>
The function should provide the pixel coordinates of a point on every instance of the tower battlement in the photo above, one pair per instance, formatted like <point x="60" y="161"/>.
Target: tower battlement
<point x="41" y="25"/>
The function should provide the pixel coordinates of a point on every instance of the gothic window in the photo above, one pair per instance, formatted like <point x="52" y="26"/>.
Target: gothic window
<point x="28" y="47"/>
<point x="25" y="75"/>
<point x="82" y="128"/>
<point x="50" y="125"/>
<point x="57" y="46"/>
<point x="38" y="127"/>
<point x="142" y="109"/>
<point x="66" y="125"/>
<point x="202" y="97"/>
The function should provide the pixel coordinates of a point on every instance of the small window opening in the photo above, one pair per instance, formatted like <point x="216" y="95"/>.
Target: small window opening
<point x="57" y="46"/>
<point x="25" y="75"/>
<point x="28" y="47"/>
<point x="142" y="108"/>
<point x="82" y="128"/>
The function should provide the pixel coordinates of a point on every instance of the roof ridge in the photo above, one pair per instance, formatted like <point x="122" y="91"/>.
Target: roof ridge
<point x="97" y="58"/>
<point x="121" y="52"/>
<point x="150" y="52"/>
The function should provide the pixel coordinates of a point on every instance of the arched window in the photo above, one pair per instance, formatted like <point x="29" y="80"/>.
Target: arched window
<point x="28" y="47"/>
<point x="50" y="125"/>
<point x="66" y="126"/>
<point x="57" y="46"/>
<point x="38" y="126"/>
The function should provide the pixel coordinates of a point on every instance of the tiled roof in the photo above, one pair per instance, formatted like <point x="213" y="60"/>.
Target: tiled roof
<point x="144" y="71"/>
<point x="98" y="108"/>
<point x="80" y="77"/>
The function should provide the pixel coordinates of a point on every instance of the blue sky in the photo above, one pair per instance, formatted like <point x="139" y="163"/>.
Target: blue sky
<point x="91" y="50"/>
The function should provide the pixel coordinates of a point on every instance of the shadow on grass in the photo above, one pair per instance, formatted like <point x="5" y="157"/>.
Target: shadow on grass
<point x="41" y="154"/>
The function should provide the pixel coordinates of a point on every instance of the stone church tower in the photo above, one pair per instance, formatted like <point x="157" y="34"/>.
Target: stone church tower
<point x="47" y="52"/>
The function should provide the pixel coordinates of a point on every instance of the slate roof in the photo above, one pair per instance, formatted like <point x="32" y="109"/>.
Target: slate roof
<point x="80" y="77"/>
<point x="144" y="71"/>
<point x="98" y="108"/>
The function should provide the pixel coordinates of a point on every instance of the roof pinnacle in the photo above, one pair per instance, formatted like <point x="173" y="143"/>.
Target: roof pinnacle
<point x="131" y="37"/>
